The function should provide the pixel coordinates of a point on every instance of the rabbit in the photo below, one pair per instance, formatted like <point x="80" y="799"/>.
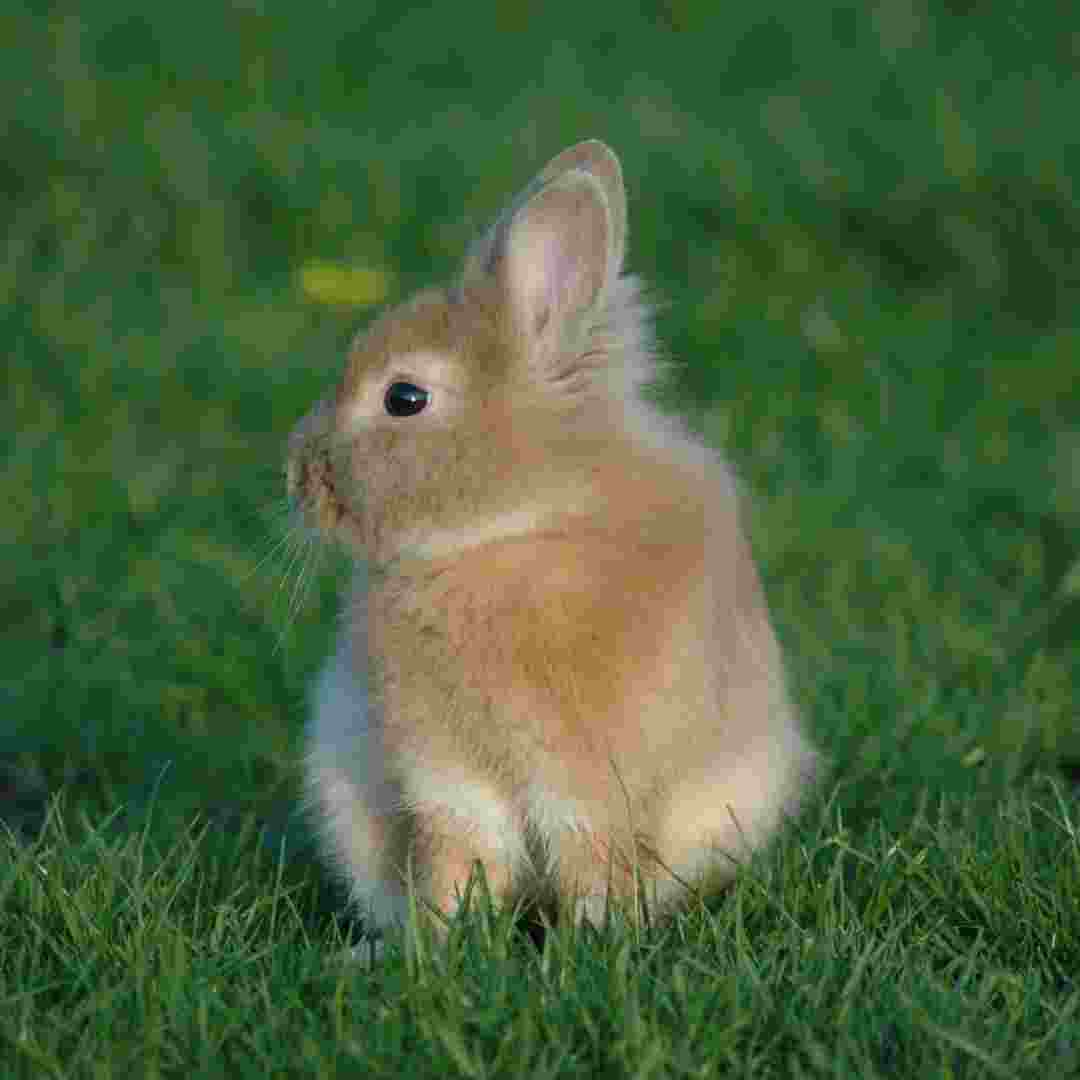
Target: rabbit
<point x="556" y="659"/>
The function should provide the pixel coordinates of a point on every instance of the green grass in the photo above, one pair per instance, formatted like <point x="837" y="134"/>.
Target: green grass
<point x="862" y="222"/>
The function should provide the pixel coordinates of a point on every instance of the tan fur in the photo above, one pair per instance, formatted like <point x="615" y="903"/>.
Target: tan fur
<point x="561" y="662"/>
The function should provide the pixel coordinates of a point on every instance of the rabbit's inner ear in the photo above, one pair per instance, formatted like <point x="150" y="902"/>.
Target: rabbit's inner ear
<point x="600" y="162"/>
<point x="559" y="257"/>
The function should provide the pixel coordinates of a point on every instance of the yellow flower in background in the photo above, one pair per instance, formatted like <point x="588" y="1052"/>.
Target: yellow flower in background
<point x="345" y="286"/>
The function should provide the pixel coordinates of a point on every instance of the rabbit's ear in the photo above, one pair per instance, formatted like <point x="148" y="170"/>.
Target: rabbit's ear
<point x="559" y="256"/>
<point x="589" y="167"/>
<point x="599" y="161"/>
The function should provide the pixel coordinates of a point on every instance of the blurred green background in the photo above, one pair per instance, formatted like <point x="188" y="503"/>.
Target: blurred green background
<point x="861" y="222"/>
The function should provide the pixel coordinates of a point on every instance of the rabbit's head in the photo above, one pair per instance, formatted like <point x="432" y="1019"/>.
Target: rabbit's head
<point x="479" y="409"/>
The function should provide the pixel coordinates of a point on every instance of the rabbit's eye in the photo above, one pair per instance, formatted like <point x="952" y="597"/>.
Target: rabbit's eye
<point x="404" y="399"/>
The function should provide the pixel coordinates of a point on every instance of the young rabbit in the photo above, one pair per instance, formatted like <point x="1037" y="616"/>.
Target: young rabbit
<point x="559" y="662"/>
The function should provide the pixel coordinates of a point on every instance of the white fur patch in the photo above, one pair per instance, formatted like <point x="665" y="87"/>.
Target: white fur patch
<point x="443" y="543"/>
<point x="339" y="711"/>
<point x="551" y="813"/>
<point x="474" y="804"/>
<point x="344" y="769"/>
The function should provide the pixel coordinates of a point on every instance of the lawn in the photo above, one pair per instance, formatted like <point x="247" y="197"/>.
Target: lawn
<point x="861" y="225"/>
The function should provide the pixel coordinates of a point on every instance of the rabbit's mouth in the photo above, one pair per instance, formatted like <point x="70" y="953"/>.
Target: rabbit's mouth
<point x="311" y="486"/>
